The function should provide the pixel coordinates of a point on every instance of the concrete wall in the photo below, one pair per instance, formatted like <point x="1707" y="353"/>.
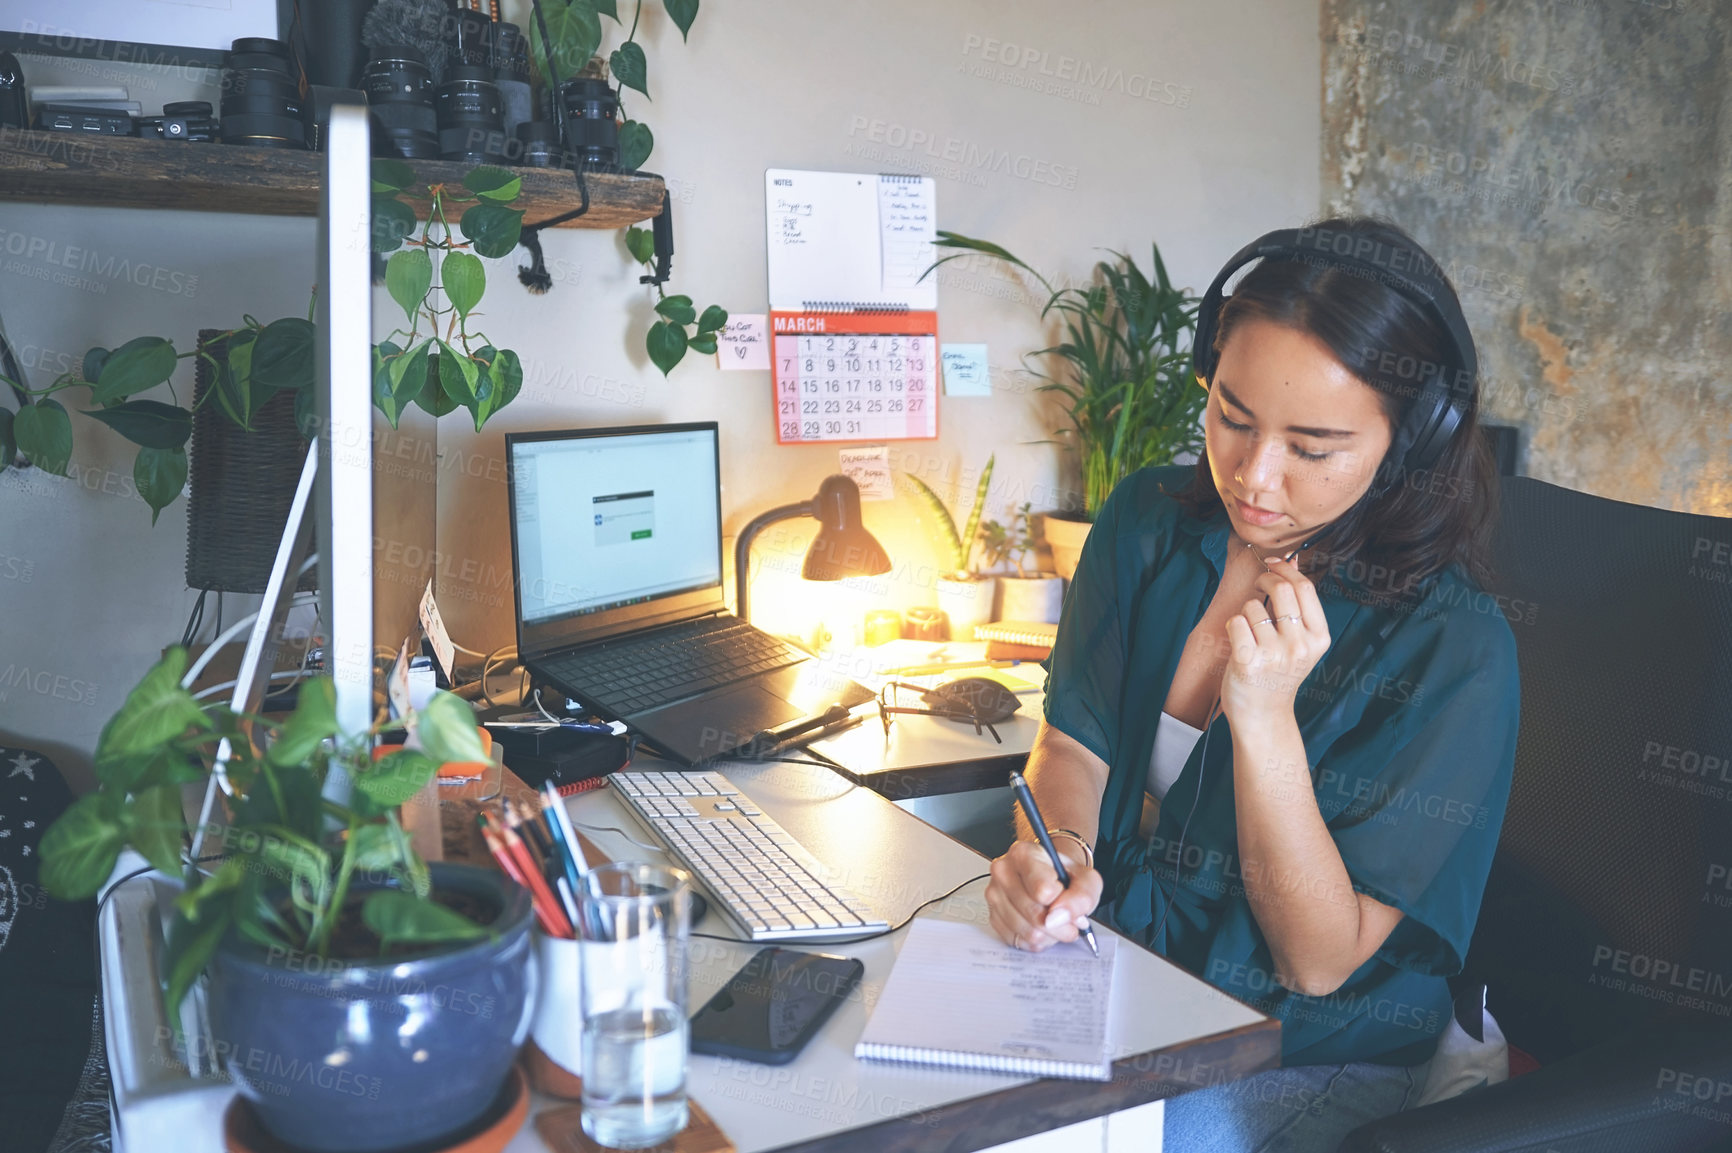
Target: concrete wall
<point x="1569" y="161"/>
<point x="1199" y="129"/>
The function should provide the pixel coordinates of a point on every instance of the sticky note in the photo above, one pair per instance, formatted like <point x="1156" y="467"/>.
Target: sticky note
<point x="869" y="467"/>
<point x="965" y="371"/>
<point x="744" y="344"/>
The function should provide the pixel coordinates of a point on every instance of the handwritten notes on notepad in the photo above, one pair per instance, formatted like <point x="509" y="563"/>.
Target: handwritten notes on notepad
<point x="960" y="997"/>
<point x="849" y="240"/>
<point x="907" y="223"/>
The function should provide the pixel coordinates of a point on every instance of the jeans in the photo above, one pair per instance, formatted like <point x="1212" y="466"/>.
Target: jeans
<point x="1305" y="1109"/>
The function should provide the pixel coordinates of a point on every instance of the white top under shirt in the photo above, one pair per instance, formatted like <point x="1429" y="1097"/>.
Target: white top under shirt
<point x="1174" y="740"/>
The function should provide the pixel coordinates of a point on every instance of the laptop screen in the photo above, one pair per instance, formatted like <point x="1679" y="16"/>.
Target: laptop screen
<point x="613" y="518"/>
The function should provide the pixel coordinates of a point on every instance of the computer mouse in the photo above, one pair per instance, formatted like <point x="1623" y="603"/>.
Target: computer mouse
<point x="978" y="699"/>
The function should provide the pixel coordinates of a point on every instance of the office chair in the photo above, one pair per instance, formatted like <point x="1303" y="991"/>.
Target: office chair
<point x="1613" y="860"/>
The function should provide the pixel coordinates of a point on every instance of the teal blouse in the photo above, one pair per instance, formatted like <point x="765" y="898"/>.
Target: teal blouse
<point x="1409" y="723"/>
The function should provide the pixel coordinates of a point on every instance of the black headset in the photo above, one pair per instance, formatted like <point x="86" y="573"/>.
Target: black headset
<point x="1406" y="270"/>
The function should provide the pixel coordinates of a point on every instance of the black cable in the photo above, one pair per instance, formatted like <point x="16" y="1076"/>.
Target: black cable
<point x="194" y="619"/>
<point x="109" y="893"/>
<point x="747" y="759"/>
<point x="534" y="276"/>
<point x="14" y="371"/>
<point x="869" y="936"/>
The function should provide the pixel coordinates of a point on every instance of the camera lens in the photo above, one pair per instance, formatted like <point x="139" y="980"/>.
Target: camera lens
<point x="259" y="90"/>
<point x="592" y="130"/>
<point x="511" y="73"/>
<point x="474" y="41"/>
<point x="538" y="145"/>
<point x="471" y="117"/>
<point x="261" y="99"/>
<point x="264" y="131"/>
<point x="399" y="88"/>
<point x="408" y="143"/>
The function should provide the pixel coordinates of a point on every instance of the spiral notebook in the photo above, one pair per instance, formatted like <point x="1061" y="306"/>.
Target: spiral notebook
<point x="959" y="997"/>
<point x="853" y="320"/>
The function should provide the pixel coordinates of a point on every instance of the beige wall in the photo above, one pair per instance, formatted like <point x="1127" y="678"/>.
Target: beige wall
<point x="782" y="84"/>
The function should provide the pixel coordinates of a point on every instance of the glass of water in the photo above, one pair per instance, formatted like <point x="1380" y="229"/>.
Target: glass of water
<point x="635" y="919"/>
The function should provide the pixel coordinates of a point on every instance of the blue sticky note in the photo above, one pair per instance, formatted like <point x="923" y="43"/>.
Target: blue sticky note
<point x="965" y="371"/>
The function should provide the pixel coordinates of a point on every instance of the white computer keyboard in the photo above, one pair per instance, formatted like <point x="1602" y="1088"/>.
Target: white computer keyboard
<point x="759" y="875"/>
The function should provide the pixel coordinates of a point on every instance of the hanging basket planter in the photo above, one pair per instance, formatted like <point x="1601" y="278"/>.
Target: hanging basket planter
<point x="242" y="485"/>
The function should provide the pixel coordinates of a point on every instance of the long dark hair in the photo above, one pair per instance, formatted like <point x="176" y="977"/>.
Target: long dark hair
<point x="1411" y="524"/>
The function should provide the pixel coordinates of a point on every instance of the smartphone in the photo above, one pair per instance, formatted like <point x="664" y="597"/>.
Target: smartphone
<point x="774" y="1004"/>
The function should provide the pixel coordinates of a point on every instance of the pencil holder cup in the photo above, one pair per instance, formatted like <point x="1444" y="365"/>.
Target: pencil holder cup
<point x="555" y="1052"/>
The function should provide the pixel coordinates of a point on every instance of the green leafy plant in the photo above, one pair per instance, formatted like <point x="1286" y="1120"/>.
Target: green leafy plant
<point x="1013" y="542"/>
<point x="667" y="339"/>
<point x="574" y="35"/>
<point x="451" y="366"/>
<point x="262" y="360"/>
<point x="289" y="856"/>
<point x="1124" y="372"/>
<point x="953" y="551"/>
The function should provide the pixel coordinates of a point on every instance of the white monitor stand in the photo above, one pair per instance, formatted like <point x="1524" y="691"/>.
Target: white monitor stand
<point x="157" y="1101"/>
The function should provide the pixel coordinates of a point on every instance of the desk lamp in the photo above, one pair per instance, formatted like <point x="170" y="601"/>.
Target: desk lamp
<point x="842" y="548"/>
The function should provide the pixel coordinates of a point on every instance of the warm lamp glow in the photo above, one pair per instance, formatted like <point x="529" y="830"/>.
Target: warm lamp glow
<point x="843" y="548"/>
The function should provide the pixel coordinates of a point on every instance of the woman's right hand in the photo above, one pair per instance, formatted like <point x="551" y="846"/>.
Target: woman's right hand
<point x="1028" y="907"/>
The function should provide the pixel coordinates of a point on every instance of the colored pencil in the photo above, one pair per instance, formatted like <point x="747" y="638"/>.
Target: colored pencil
<point x="532" y="873"/>
<point x="513" y="859"/>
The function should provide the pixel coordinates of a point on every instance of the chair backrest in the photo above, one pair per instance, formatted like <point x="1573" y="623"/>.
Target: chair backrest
<point x="1609" y="905"/>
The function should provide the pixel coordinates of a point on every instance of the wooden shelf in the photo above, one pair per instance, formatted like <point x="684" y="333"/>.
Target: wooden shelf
<point x="127" y="172"/>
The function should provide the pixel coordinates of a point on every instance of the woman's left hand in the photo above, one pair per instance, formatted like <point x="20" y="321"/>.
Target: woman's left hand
<point x="1269" y="658"/>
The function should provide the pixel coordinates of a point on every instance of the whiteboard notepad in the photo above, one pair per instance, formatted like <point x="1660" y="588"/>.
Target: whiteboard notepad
<point x="850" y="241"/>
<point x="960" y="997"/>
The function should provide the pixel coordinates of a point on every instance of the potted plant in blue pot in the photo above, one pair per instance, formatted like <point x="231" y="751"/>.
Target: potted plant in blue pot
<point x="360" y="999"/>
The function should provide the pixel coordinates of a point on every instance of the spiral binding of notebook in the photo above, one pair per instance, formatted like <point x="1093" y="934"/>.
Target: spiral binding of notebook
<point x="982" y="1063"/>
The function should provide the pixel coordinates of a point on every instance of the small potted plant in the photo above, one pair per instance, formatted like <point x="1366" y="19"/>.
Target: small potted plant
<point x="1124" y="378"/>
<point x="964" y="593"/>
<point x="1027" y="596"/>
<point x="361" y="999"/>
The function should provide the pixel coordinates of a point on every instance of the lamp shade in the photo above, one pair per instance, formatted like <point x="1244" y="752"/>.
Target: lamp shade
<point x="843" y="548"/>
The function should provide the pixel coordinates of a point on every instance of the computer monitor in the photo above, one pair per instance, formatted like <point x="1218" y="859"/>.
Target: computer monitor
<point x="613" y="528"/>
<point x="629" y="516"/>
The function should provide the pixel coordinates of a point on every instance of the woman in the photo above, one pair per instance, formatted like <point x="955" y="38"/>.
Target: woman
<point x="1314" y="603"/>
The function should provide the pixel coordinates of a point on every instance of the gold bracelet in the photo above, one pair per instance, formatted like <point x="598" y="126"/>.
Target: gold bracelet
<point x="1078" y="838"/>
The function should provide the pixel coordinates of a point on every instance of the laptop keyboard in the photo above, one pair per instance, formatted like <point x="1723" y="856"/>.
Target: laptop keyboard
<point x="638" y="673"/>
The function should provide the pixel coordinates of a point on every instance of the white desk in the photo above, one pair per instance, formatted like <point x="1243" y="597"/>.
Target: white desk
<point x="1170" y="1030"/>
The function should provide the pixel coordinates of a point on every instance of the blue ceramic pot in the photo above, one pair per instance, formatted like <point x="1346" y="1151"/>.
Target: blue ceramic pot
<point x="353" y="1056"/>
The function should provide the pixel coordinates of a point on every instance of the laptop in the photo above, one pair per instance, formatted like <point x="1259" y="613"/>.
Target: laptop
<point x="616" y="551"/>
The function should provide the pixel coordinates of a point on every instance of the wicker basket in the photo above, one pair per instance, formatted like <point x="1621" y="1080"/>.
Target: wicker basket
<point x="242" y="486"/>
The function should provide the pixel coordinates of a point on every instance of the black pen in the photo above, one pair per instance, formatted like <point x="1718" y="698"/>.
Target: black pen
<point x="1029" y="809"/>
